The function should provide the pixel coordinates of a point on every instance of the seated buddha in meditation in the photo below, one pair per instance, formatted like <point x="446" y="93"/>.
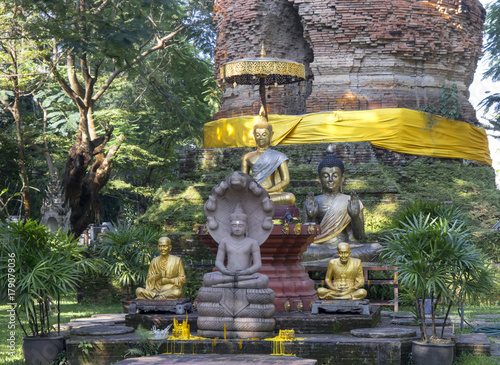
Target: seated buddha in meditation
<point x="166" y="275"/>
<point x="243" y="258"/>
<point x="269" y="167"/>
<point x="344" y="277"/>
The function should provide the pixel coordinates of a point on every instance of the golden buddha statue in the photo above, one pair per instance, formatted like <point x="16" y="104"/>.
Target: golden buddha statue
<point x="347" y="275"/>
<point x="166" y="275"/>
<point x="269" y="167"/>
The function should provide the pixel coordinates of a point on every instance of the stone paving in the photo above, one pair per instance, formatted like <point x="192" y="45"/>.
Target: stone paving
<point x="480" y="320"/>
<point x="218" y="359"/>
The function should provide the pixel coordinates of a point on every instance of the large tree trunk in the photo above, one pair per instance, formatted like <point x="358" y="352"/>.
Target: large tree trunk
<point x="88" y="168"/>
<point x="20" y="152"/>
<point x="82" y="184"/>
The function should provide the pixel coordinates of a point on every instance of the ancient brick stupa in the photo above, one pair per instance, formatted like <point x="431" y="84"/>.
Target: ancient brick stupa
<point x="358" y="55"/>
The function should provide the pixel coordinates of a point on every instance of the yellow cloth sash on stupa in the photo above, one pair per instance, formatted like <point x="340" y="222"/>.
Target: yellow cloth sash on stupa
<point x="399" y="130"/>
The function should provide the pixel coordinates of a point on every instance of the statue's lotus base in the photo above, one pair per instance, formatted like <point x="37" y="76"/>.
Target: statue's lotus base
<point x="213" y="327"/>
<point x="180" y="306"/>
<point x="242" y="313"/>
<point x="342" y="307"/>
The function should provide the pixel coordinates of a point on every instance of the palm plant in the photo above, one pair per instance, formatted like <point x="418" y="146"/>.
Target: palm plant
<point x="128" y="251"/>
<point x="436" y="260"/>
<point x="36" y="266"/>
<point x="434" y="208"/>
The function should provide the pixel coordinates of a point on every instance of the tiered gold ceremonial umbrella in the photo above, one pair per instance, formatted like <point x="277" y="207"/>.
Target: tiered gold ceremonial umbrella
<point x="264" y="71"/>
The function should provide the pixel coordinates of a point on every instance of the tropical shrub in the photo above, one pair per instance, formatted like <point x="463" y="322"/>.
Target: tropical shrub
<point x="436" y="260"/>
<point x="128" y="251"/>
<point x="36" y="267"/>
<point x="428" y="207"/>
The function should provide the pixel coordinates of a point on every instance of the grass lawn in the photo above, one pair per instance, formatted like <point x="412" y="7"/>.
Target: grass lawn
<point x="70" y="309"/>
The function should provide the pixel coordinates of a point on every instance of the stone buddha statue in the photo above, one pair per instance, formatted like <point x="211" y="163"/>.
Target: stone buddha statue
<point x="243" y="258"/>
<point x="269" y="167"/>
<point x="344" y="277"/>
<point x="235" y="301"/>
<point x="166" y="275"/>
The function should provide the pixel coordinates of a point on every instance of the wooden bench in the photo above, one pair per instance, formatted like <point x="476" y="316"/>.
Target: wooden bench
<point x="373" y="266"/>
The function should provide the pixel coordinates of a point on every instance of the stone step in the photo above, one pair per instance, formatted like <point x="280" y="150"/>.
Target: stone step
<point x="218" y="359"/>
<point x="412" y="322"/>
<point x="101" y="330"/>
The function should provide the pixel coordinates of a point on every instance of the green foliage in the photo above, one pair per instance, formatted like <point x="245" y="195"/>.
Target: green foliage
<point x="197" y="262"/>
<point x="85" y="347"/>
<point x="178" y="207"/>
<point x="194" y="279"/>
<point x="492" y="45"/>
<point x="70" y="309"/>
<point x="98" y="290"/>
<point x="489" y="242"/>
<point x="434" y="209"/>
<point x="436" y="260"/>
<point x="473" y="359"/>
<point x="469" y="186"/>
<point x="155" y="91"/>
<point x="146" y="346"/>
<point x="128" y="251"/>
<point x="492" y="49"/>
<point x="61" y="359"/>
<point x="445" y="107"/>
<point x="40" y="266"/>
<point x="380" y="292"/>
<point x="61" y="116"/>
<point x="160" y="108"/>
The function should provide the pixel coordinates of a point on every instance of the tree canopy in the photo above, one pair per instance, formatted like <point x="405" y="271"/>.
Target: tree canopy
<point x="492" y="49"/>
<point x="133" y="74"/>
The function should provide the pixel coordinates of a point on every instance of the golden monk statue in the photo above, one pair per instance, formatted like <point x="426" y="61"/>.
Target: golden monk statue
<point x="269" y="167"/>
<point x="347" y="275"/>
<point x="166" y="275"/>
<point x="340" y="216"/>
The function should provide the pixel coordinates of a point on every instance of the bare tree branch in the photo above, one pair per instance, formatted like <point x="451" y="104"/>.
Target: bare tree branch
<point x="100" y="8"/>
<point x="161" y="44"/>
<point x="73" y="79"/>
<point x="62" y="82"/>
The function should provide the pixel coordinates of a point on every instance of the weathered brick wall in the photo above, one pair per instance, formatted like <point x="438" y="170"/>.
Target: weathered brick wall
<point x="363" y="54"/>
<point x="242" y="26"/>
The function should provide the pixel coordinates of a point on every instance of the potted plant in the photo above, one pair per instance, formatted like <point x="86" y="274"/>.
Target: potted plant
<point x="128" y="251"/>
<point x="436" y="260"/>
<point x="36" y="267"/>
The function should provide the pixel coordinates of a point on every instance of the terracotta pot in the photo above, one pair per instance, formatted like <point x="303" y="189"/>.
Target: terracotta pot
<point x="42" y="350"/>
<point x="424" y="353"/>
